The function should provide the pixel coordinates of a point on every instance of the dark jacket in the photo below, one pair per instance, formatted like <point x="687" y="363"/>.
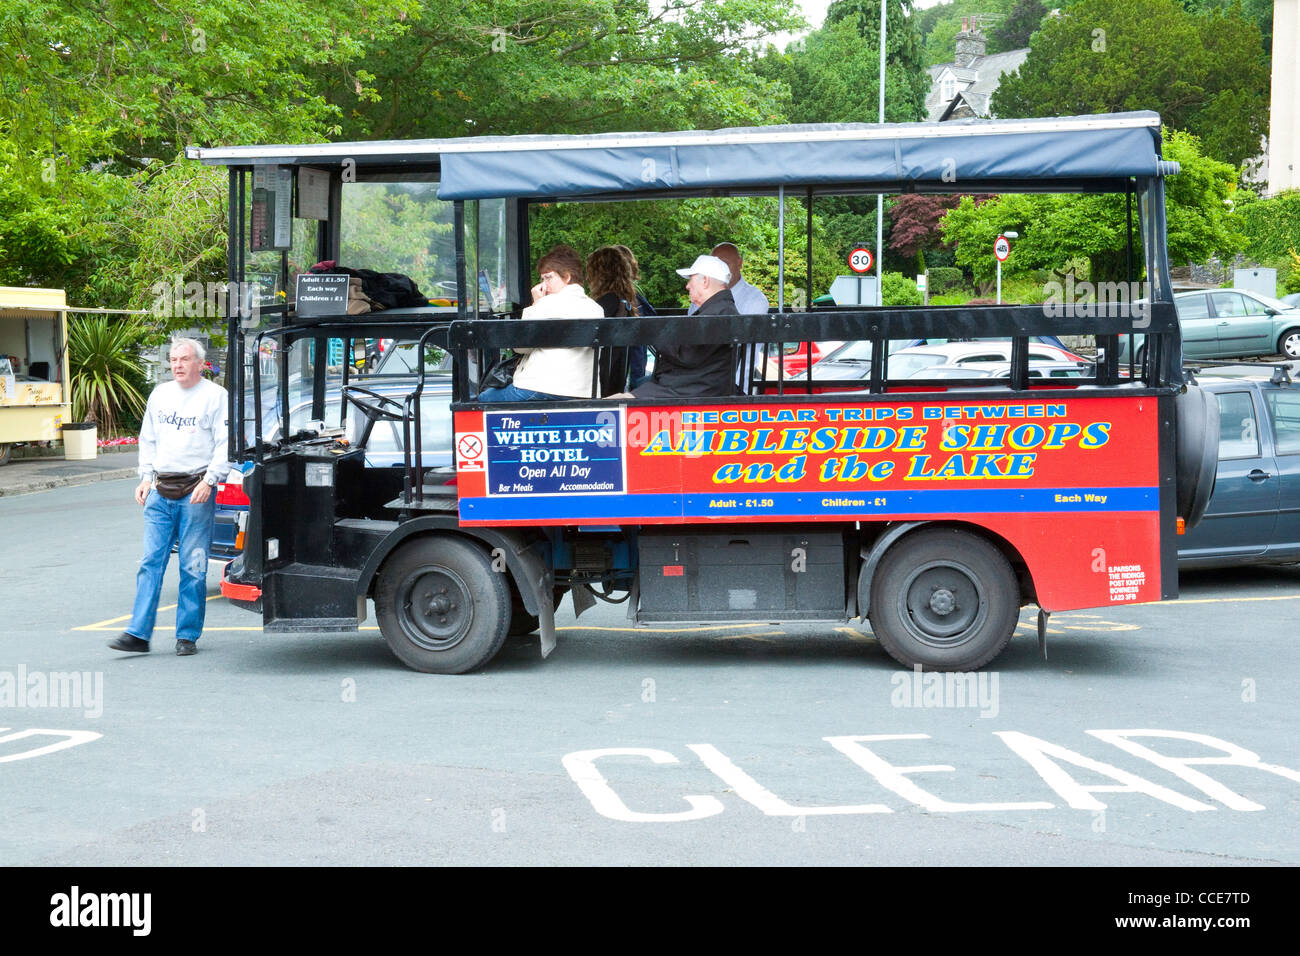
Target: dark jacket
<point x="694" y="371"/>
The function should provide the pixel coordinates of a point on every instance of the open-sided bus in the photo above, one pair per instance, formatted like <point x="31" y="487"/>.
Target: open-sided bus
<point x="934" y="510"/>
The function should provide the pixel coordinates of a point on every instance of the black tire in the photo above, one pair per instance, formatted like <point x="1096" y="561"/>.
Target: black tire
<point x="441" y="607"/>
<point x="6" y="451"/>
<point x="945" y="599"/>
<point x="1288" y="343"/>
<point x="1196" y="452"/>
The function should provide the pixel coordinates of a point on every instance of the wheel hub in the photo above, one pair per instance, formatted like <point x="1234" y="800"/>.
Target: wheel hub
<point x="435" y="607"/>
<point x="942" y="603"/>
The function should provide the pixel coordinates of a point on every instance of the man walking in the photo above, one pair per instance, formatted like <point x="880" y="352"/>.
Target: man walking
<point x="182" y="457"/>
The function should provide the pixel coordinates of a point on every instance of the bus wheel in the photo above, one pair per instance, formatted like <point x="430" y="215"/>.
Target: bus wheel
<point x="441" y="607"/>
<point x="945" y="599"/>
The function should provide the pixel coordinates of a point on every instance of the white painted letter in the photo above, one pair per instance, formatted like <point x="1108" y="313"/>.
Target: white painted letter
<point x="1038" y="754"/>
<point x="749" y="789"/>
<point x="1178" y="766"/>
<point x="581" y="766"/>
<point x="895" y="778"/>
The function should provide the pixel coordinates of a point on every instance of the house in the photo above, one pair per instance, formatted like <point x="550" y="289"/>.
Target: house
<point x="962" y="89"/>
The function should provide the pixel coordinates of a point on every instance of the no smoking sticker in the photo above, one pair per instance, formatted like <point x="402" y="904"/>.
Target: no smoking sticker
<point x="469" y="451"/>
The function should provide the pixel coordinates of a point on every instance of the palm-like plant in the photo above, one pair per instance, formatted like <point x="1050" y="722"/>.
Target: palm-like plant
<point x="105" y="360"/>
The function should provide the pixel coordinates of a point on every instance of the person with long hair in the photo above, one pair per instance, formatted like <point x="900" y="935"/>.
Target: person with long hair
<point x="611" y="275"/>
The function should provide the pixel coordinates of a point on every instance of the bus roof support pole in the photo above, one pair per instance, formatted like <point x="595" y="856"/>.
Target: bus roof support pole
<point x="808" y="256"/>
<point x="780" y="249"/>
<point x="234" y="328"/>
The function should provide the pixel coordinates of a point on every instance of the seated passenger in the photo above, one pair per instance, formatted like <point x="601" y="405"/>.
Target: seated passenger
<point x="750" y="299"/>
<point x="609" y="280"/>
<point x="693" y="371"/>
<point x="637" y="355"/>
<point x="544" y="374"/>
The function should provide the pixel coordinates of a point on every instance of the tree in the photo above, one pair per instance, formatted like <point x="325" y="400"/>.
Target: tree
<point x="1205" y="74"/>
<point x="666" y="236"/>
<point x="1057" y="228"/>
<point x="939" y="25"/>
<point x="568" y="66"/>
<point x="1021" y="23"/>
<point x="98" y="100"/>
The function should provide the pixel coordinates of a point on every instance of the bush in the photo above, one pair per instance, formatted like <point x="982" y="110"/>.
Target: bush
<point x="1270" y="226"/>
<point x="107" y="380"/>
<point x="943" y="278"/>
<point x="898" y="289"/>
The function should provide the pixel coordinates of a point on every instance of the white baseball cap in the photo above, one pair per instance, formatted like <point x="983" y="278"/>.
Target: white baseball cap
<point x="710" y="266"/>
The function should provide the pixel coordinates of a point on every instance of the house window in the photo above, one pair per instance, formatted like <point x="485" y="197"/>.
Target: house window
<point x="949" y="88"/>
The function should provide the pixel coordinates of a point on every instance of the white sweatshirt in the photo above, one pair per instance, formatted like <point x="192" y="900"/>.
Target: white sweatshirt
<point x="564" y="372"/>
<point x="184" y="430"/>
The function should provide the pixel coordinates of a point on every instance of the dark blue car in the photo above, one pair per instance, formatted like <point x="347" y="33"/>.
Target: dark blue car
<point x="1254" y="514"/>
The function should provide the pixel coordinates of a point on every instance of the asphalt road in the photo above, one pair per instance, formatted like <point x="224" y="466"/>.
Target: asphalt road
<point x="727" y="745"/>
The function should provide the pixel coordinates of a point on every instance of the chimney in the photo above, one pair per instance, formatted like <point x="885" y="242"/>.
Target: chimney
<point x="971" y="43"/>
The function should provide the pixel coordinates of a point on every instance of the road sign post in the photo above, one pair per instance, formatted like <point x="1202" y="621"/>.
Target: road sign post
<point x="1001" y="250"/>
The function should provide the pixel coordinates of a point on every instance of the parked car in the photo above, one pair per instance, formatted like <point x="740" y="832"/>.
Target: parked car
<point x="794" y="356"/>
<point x="1254" y="513"/>
<point x="852" y="360"/>
<point x="385" y="448"/>
<point x="1230" y="323"/>
<point x="1292" y="300"/>
<point x="1037" y="370"/>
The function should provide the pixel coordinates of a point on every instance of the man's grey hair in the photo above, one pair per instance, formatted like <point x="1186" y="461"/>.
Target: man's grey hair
<point x="200" y="353"/>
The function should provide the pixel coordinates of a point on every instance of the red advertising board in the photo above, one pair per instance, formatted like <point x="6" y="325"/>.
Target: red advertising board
<point x="1071" y="484"/>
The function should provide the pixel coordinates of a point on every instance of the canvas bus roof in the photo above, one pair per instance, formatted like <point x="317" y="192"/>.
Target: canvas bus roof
<point x="1060" y="154"/>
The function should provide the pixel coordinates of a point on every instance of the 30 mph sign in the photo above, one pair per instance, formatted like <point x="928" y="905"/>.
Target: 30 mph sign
<point x="860" y="260"/>
<point x="1002" y="248"/>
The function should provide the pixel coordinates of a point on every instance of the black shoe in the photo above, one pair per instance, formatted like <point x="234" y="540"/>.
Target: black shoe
<point x="185" y="648"/>
<point x="129" y="642"/>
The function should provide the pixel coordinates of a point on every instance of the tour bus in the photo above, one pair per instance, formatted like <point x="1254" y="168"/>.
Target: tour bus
<point x="932" y="510"/>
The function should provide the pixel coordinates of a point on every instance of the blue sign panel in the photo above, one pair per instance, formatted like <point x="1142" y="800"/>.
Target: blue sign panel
<point x="555" y="453"/>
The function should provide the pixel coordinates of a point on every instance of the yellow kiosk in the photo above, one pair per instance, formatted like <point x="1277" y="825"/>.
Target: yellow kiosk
<point x="35" y="396"/>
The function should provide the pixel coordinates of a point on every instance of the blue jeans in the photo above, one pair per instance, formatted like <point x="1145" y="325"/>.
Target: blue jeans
<point x="166" y="523"/>
<point x="512" y="393"/>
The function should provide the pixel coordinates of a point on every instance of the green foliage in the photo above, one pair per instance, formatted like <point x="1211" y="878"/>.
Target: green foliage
<point x="940" y="24"/>
<point x="666" y="236"/>
<point x="1055" y="228"/>
<point x="897" y="289"/>
<point x="1205" y="74"/>
<point x="1021" y="23"/>
<point x="943" y="278"/>
<point x="107" y="377"/>
<point x="1271" y="227"/>
<point x="568" y="66"/>
<point x="1292" y="281"/>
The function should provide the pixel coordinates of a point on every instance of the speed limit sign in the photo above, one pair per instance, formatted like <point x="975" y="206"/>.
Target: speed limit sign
<point x="1002" y="248"/>
<point x="860" y="260"/>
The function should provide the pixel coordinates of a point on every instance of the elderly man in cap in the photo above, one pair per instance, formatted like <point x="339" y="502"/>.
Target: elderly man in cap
<point x="692" y="371"/>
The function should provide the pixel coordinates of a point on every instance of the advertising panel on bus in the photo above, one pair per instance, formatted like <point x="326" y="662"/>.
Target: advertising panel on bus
<point x="1088" y="464"/>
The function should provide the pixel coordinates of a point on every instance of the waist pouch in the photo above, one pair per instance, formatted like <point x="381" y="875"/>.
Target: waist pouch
<point x="177" y="486"/>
